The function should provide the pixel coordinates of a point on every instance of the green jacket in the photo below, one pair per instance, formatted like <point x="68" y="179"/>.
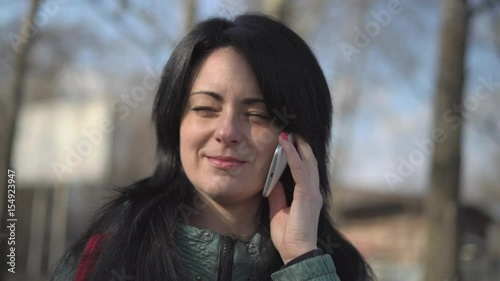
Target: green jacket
<point x="202" y="251"/>
<point x="204" y="254"/>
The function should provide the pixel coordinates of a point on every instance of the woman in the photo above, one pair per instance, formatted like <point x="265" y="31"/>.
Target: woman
<point x="228" y="91"/>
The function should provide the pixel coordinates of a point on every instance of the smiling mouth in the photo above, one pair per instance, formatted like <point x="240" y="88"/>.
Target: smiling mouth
<point x="225" y="163"/>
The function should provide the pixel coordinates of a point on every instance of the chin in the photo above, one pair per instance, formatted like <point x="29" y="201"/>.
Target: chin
<point x="228" y="192"/>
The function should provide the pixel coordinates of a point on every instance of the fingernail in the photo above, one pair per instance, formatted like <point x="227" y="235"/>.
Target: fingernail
<point x="284" y="136"/>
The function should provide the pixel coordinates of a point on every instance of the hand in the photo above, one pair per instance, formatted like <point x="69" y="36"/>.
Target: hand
<point x="294" y="229"/>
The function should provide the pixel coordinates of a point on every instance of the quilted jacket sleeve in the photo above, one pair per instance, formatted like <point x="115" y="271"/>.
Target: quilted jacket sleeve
<point x="319" y="268"/>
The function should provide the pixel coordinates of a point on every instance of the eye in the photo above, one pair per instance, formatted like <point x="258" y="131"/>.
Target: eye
<point x="205" y="111"/>
<point x="203" y="108"/>
<point x="260" y="115"/>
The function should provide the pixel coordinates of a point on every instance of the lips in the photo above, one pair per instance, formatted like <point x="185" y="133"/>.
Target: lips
<point x="224" y="162"/>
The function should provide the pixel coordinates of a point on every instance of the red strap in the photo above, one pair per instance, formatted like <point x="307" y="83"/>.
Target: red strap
<point x="89" y="258"/>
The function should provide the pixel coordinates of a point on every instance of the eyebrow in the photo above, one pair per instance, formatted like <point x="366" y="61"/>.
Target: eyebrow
<point x="218" y="97"/>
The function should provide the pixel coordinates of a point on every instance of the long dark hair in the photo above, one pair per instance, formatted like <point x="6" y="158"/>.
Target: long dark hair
<point x="139" y="225"/>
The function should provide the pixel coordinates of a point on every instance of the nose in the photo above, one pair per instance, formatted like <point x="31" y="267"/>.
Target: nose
<point x="229" y="130"/>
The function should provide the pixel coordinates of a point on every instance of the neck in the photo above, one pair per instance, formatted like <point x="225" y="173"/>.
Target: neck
<point x="236" y="219"/>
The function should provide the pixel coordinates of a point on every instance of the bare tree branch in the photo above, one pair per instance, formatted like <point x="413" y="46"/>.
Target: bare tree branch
<point x="125" y="29"/>
<point x="190" y="15"/>
<point x="443" y="198"/>
<point x="483" y="6"/>
<point x="25" y="38"/>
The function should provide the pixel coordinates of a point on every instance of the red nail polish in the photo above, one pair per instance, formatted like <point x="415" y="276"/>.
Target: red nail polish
<point x="284" y="136"/>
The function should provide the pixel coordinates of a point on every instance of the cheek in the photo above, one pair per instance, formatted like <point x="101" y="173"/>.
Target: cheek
<point x="184" y="137"/>
<point x="189" y="137"/>
<point x="269" y="153"/>
<point x="266" y="146"/>
<point x="266" y="140"/>
<point x="191" y="131"/>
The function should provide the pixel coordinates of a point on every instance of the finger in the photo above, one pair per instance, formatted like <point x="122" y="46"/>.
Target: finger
<point x="277" y="200"/>
<point x="297" y="169"/>
<point x="304" y="149"/>
<point x="308" y="159"/>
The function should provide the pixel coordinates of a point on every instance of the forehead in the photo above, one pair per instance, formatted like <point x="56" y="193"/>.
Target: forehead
<point x="227" y="72"/>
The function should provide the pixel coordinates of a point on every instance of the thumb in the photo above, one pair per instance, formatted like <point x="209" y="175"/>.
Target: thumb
<point x="277" y="200"/>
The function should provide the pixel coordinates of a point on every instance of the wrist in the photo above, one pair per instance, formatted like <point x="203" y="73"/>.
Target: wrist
<point x="302" y="253"/>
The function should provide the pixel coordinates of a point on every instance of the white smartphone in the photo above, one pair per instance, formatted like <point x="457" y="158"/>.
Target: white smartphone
<point x="278" y="165"/>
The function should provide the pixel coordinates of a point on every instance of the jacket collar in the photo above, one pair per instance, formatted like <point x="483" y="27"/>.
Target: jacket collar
<point x="199" y="250"/>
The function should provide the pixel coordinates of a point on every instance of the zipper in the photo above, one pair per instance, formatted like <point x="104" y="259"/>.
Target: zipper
<point x="226" y="251"/>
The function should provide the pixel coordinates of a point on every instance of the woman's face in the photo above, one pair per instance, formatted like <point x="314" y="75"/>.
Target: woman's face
<point x="227" y="139"/>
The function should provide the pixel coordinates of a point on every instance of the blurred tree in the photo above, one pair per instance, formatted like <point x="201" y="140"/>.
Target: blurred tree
<point x="486" y="121"/>
<point x="190" y="15"/>
<point x="279" y="9"/>
<point x="347" y="89"/>
<point x="303" y="17"/>
<point x="21" y="43"/>
<point x="443" y="198"/>
<point x="442" y="203"/>
<point x="124" y="20"/>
